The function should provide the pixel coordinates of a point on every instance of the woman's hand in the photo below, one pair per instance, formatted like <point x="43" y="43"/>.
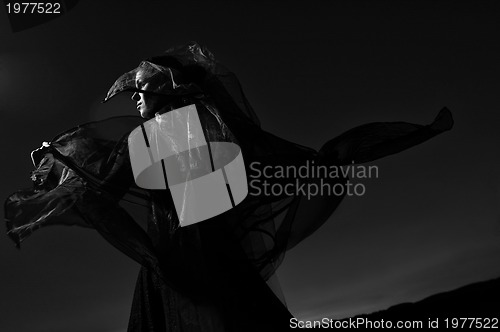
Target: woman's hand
<point x="36" y="155"/>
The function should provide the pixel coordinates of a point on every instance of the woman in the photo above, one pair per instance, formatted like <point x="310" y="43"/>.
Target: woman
<point x="211" y="275"/>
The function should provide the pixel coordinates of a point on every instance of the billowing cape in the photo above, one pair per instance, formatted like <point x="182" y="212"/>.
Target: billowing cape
<point x="90" y="163"/>
<point x="84" y="177"/>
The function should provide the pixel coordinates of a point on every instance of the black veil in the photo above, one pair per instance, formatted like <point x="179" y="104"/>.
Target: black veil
<point x="84" y="176"/>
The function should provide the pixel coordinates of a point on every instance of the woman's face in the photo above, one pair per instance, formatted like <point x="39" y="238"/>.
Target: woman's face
<point x="148" y="103"/>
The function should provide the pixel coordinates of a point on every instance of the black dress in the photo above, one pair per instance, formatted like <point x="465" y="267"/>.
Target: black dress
<point x="209" y="276"/>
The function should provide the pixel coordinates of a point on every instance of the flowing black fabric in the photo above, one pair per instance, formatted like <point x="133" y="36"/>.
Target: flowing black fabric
<point x="209" y="276"/>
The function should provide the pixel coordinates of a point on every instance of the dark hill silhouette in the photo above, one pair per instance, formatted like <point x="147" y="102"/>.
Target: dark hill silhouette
<point x="478" y="300"/>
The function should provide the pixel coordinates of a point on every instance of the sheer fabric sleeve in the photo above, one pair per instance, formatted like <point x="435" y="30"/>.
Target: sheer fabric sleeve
<point x="80" y="180"/>
<point x="269" y="225"/>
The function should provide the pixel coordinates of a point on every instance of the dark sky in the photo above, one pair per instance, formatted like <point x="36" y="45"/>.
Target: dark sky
<point x="312" y="69"/>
